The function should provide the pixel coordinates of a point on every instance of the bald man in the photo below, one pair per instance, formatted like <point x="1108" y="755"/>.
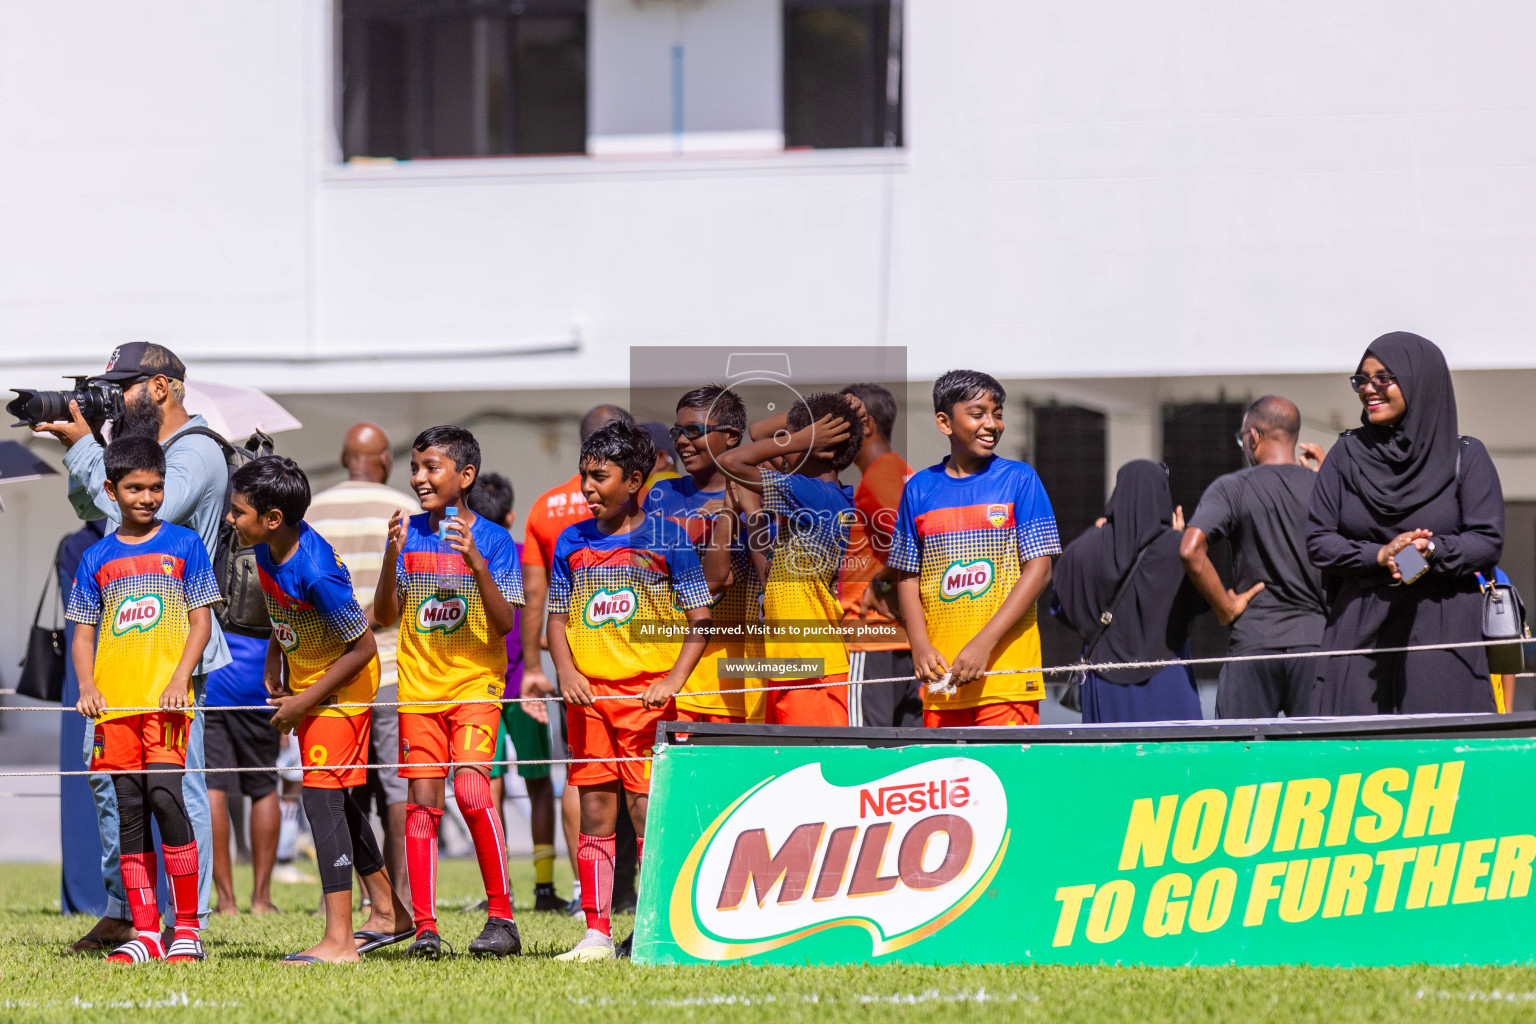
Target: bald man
<point x="353" y="517"/>
<point x="1276" y="603"/>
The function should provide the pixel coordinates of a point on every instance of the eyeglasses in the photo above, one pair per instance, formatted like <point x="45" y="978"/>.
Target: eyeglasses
<point x="1242" y="436"/>
<point x="694" y="431"/>
<point x="1381" y="381"/>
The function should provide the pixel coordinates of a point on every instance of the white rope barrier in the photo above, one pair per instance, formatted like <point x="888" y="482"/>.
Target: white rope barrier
<point x="322" y="768"/>
<point x="1104" y="666"/>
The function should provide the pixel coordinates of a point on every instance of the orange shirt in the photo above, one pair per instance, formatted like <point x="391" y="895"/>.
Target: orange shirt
<point x="875" y="499"/>
<point x="554" y="510"/>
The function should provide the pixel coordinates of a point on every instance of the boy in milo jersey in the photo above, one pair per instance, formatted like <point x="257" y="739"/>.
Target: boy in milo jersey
<point x="628" y="615"/>
<point x="321" y="637"/>
<point x="140" y="607"/>
<point x="455" y="604"/>
<point x="973" y="544"/>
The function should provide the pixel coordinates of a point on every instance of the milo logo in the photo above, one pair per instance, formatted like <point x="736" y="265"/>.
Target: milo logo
<point x="141" y="613"/>
<point x="971" y="578"/>
<point x="897" y="858"/>
<point x="285" y="634"/>
<point x="616" y="606"/>
<point x="445" y="614"/>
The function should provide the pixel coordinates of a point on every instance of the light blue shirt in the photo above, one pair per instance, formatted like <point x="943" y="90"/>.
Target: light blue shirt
<point x="196" y="479"/>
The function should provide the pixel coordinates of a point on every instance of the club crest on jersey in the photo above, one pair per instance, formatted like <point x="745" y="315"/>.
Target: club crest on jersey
<point x="285" y="634"/>
<point x="444" y="614"/>
<point x="970" y="578"/>
<point x="615" y="606"/>
<point x="997" y="515"/>
<point x="168" y="565"/>
<point x="98" y="746"/>
<point x="137" y="613"/>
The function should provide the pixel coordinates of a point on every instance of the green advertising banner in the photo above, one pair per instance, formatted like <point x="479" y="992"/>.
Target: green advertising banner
<point x="1370" y="852"/>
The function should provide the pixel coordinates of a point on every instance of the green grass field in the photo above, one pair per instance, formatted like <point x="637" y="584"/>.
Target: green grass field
<point x="243" y="982"/>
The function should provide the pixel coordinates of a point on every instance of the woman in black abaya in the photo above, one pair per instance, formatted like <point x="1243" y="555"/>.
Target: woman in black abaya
<point x="1403" y="477"/>
<point x="1151" y="622"/>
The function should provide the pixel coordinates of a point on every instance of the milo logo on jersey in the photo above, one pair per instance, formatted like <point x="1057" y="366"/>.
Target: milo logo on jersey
<point x="285" y="634"/>
<point x="444" y="614"/>
<point x="968" y="578"/>
<point x="138" y="613"/>
<point x="615" y="606"/>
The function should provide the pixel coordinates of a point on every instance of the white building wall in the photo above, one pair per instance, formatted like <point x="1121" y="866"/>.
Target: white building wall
<point x="1106" y="189"/>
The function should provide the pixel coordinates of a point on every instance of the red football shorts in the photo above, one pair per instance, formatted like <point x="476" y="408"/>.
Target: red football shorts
<point x="329" y="740"/>
<point x="615" y="728"/>
<point x="684" y="715"/>
<point x="128" y="744"/>
<point x="825" y="705"/>
<point x="463" y="734"/>
<point x="1011" y="712"/>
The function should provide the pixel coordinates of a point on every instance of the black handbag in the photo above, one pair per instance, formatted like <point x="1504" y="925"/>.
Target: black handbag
<point x="1504" y="619"/>
<point x="1072" y="694"/>
<point x="42" y="669"/>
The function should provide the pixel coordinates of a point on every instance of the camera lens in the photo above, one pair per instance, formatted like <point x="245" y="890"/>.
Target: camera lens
<point x="33" y="407"/>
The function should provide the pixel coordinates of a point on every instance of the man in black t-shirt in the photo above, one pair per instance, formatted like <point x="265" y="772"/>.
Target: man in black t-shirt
<point x="1276" y="603"/>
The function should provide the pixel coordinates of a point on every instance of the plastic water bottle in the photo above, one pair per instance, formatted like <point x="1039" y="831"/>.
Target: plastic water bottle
<point x="447" y="573"/>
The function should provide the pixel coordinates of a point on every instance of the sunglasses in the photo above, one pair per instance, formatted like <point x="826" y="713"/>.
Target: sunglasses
<point x="1242" y="435"/>
<point x="1381" y="381"/>
<point x="694" y="431"/>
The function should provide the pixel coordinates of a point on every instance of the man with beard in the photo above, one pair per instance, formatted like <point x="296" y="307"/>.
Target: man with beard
<point x="153" y="383"/>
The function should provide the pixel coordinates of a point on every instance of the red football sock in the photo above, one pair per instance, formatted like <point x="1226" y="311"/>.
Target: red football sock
<point x="473" y="792"/>
<point x="139" y="880"/>
<point x="181" y="869"/>
<point x="594" y="859"/>
<point x="421" y="863"/>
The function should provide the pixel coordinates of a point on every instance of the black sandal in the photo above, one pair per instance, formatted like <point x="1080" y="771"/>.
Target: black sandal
<point x="378" y="940"/>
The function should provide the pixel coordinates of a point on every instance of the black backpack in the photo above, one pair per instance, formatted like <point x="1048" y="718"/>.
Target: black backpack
<point x="243" y="610"/>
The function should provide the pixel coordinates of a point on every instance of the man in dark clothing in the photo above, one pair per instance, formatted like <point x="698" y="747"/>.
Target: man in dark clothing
<point x="1277" y="603"/>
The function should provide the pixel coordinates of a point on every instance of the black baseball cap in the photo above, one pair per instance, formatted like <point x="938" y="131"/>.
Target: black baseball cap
<point x="139" y="360"/>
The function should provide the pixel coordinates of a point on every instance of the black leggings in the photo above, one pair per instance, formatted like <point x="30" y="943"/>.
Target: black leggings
<point x="157" y="790"/>
<point x="343" y="837"/>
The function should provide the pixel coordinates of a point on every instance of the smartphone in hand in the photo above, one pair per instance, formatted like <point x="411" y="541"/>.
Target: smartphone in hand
<point x="1411" y="564"/>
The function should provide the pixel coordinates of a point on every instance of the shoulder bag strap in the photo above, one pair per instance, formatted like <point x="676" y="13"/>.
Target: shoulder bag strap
<point x="53" y="572"/>
<point x="1108" y="615"/>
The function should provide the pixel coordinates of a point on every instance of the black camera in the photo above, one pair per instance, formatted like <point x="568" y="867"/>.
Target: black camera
<point x="99" y="400"/>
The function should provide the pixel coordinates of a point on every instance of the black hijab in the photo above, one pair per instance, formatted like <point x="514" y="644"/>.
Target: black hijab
<point x="1398" y="469"/>
<point x="1140" y="512"/>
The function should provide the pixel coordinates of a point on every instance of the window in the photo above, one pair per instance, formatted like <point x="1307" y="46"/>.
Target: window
<point x="1198" y="447"/>
<point x="837" y="67"/>
<point x="1070" y="447"/>
<point x="455" y="78"/>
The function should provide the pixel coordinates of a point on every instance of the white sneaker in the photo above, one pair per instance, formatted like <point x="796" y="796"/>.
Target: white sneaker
<point x="593" y="946"/>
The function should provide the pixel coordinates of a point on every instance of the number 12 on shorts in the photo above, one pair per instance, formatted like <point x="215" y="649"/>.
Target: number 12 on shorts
<point x="478" y="740"/>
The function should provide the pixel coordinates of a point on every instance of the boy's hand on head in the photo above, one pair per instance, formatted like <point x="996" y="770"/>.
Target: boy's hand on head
<point x="825" y="434"/>
<point x="397" y="532"/>
<point x="661" y="692"/>
<point x="177" y="695"/>
<point x="91" y="703"/>
<point x="576" y="690"/>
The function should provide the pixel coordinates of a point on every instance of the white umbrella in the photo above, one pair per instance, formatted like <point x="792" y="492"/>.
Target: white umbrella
<point x="237" y="412"/>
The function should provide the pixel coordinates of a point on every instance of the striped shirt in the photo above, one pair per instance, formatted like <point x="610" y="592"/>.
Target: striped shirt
<point x="353" y="517"/>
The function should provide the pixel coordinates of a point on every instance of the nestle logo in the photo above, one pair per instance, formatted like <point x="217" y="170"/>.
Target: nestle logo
<point x="915" y="797"/>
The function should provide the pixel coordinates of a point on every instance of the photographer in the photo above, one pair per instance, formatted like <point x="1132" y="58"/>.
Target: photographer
<point x="151" y="379"/>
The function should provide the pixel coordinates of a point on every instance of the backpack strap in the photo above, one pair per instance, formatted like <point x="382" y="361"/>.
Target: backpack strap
<point x="1107" y="616"/>
<point x="213" y="435"/>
